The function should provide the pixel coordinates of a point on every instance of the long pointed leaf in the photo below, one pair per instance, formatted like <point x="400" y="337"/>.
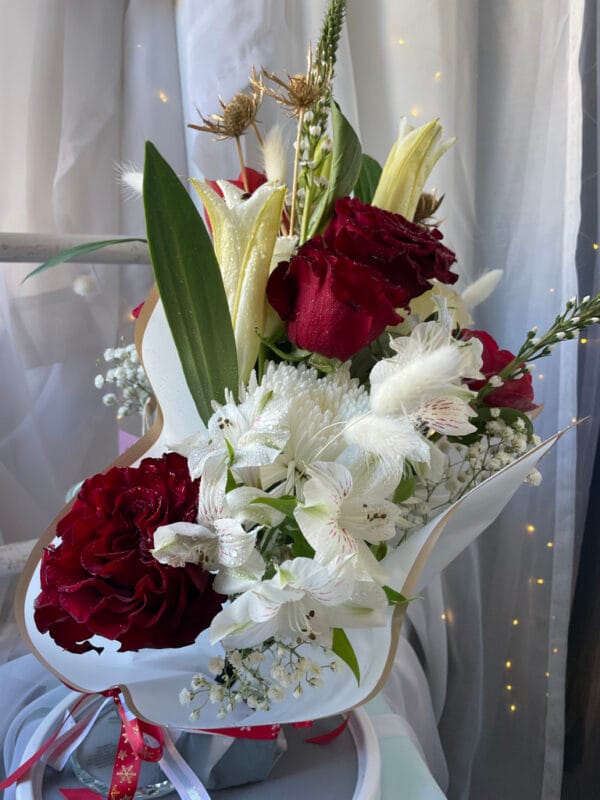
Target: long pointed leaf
<point x="190" y="285"/>
<point x="345" y="169"/>
<point x="74" y="252"/>
<point x="370" y="172"/>
<point x="341" y="647"/>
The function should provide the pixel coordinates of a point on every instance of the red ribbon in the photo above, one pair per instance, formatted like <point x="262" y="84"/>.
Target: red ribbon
<point x="131" y="751"/>
<point x="270" y="732"/>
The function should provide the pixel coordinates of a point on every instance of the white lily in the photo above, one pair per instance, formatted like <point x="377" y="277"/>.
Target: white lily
<point x="244" y="234"/>
<point x="411" y="159"/>
<point x="303" y="600"/>
<point x="338" y="521"/>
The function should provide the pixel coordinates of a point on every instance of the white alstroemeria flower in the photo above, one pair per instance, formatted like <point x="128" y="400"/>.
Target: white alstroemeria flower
<point x="218" y="538"/>
<point x="411" y="159"/>
<point x="424" y="380"/>
<point x="244" y="233"/>
<point x="338" y="521"/>
<point x="304" y="599"/>
<point x="238" y="437"/>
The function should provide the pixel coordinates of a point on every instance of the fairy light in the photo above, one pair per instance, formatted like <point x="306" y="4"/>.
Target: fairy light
<point x="416" y="111"/>
<point x="163" y="96"/>
<point x="573" y="420"/>
<point x="539" y="581"/>
<point x="552" y="290"/>
<point x="547" y="674"/>
<point x="530" y="528"/>
<point x="541" y="376"/>
<point x="555" y="650"/>
<point x="596" y="245"/>
<point x="583" y="340"/>
<point x="401" y="41"/>
<point x="512" y="708"/>
<point x="437" y="75"/>
<point x="515" y="622"/>
<point x="509" y="687"/>
<point x="549" y="544"/>
<point x="508" y="664"/>
<point x="443" y="616"/>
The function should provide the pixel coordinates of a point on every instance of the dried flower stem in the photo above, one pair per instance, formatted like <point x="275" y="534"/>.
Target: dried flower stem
<point x="295" y="177"/>
<point x="238" y="144"/>
<point x="257" y="133"/>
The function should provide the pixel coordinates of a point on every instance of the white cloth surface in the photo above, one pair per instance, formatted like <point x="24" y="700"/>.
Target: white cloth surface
<point x="87" y="82"/>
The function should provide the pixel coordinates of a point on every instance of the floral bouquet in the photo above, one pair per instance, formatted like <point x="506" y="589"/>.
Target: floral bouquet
<point x="331" y="431"/>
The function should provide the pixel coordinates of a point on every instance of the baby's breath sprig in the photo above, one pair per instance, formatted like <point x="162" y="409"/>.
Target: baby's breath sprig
<point x="577" y="316"/>
<point x="128" y="377"/>
<point x="241" y="677"/>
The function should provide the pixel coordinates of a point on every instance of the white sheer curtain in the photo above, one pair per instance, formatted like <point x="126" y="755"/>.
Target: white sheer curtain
<point x="503" y="78"/>
<point x="84" y="87"/>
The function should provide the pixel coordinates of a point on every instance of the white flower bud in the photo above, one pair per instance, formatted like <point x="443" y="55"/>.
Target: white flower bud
<point x="185" y="697"/>
<point x="84" y="285"/>
<point x="99" y="381"/>
<point x="109" y="399"/>
<point x="215" y="666"/>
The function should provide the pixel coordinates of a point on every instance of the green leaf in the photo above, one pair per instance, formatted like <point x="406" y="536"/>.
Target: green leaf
<point x="394" y="597"/>
<point x="379" y="550"/>
<point x="74" y="252"/>
<point x="324" y="364"/>
<point x="190" y="285"/>
<point x="405" y="489"/>
<point x="296" y="355"/>
<point x="341" y="647"/>
<point x="368" y="178"/>
<point x="345" y="169"/>
<point x="285" y="505"/>
<point x="300" y="547"/>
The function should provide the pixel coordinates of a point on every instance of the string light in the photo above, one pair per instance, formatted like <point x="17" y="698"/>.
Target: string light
<point x="530" y="528"/>
<point x="401" y="41"/>
<point x="442" y="616"/>
<point x="437" y="75"/>
<point x="541" y="376"/>
<point x="515" y="622"/>
<point x="163" y="96"/>
<point x="573" y="420"/>
<point x="512" y="708"/>
<point x="509" y="687"/>
<point x="416" y="111"/>
<point x="555" y="650"/>
<point x="583" y="340"/>
<point x="508" y="664"/>
<point x="549" y="544"/>
<point x="547" y="674"/>
<point x="552" y="290"/>
<point x="596" y="245"/>
<point x="539" y="581"/>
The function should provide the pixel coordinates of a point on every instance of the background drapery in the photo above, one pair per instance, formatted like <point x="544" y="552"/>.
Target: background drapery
<point x="88" y="82"/>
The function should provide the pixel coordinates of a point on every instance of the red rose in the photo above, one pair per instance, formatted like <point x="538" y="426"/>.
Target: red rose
<point x="339" y="292"/>
<point x="516" y="393"/>
<point x="408" y="255"/>
<point x="102" y="578"/>
<point x="254" y="178"/>
<point x="331" y="304"/>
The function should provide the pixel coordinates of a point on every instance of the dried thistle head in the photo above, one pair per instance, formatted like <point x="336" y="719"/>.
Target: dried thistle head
<point x="237" y="116"/>
<point x="426" y="207"/>
<point x="298" y="93"/>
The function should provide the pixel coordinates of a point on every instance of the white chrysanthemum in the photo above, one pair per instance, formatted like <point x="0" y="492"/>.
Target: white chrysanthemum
<point x="318" y="409"/>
